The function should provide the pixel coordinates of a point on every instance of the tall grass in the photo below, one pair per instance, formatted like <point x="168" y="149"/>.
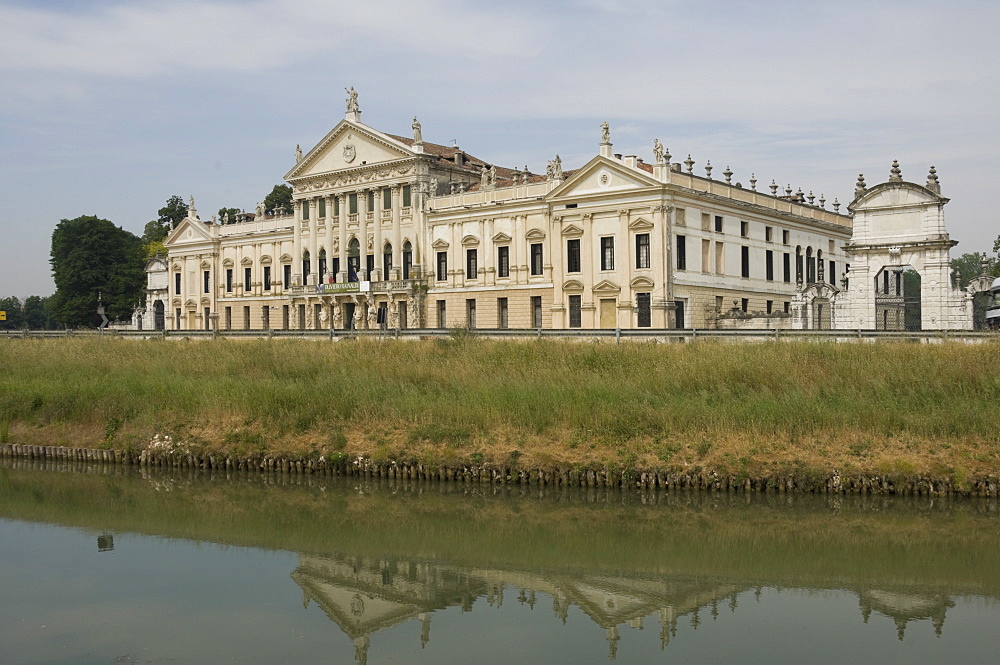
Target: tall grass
<point x="688" y="403"/>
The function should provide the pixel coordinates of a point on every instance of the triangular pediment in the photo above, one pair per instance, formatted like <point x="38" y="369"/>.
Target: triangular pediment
<point x="440" y="244"/>
<point x="186" y="232"/>
<point x="285" y="258"/>
<point x="572" y="230"/>
<point x="501" y="238"/>
<point x="604" y="286"/>
<point x="349" y="145"/>
<point x="602" y="174"/>
<point x="641" y="225"/>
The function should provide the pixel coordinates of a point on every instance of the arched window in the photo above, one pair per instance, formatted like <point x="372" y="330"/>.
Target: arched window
<point x="810" y="266"/>
<point x="386" y="260"/>
<point x="305" y="266"/>
<point x="353" y="260"/>
<point x="798" y="264"/>
<point x="322" y="265"/>
<point x="407" y="259"/>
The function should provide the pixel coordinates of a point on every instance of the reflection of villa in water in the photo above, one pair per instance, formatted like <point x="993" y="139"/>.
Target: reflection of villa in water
<point x="363" y="596"/>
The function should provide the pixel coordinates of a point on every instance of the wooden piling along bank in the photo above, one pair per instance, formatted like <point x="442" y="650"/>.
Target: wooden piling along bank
<point x="666" y="480"/>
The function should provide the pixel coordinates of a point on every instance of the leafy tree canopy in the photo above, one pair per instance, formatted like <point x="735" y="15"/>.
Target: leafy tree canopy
<point x="969" y="266"/>
<point x="279" y="199"/>
<point x="92" y="256"/>
<point x="15" y="313"/>
<point x="232" y="212"/>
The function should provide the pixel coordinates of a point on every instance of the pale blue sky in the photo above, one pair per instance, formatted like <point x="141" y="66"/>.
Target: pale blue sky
<point x="111" y="107"/>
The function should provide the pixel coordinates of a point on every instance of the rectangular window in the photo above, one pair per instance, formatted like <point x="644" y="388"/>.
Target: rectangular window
<point x="718" y="303"/>
<point x="787" y="306"/>
<point x="246" y="317"/>
<point x="573" y="255"/>
<point x="229" y="280"/>
<point x="680" y="216"/>
<point x="536" y="311"/>
<point x="536" y="258"/>
<point x="208" y="287"/>
<point x="247" y="282"/>
<point x="406" y="196"/>
<point x="177" y="283"/>
<point x="501" y="312"/>
<point x="470" y="313"/>
<point x="442" y="267"/>
<point x="442" y="313"/>
<point x="302" y="316"/>
<point x="718" y="223"/>
<point x="644" y="311"/>
<point x="706" y="248"/>
<point x="679" y="314"/>
<point x="642" y="250"/>
<point x="706" y="221"/>
<point x="608" y="253"/>
<point x="769" y="266"/>
<point x="370" y="264"/>
<point x="575" y="314"/>
<point x="744" y="261"/>
<point x="322" y="268"/>
<point x="770" y="306"/>
<point x="833" y="273"/>
<point x="386" y="264"/>
<point x="322" y="208"/>
<point x="784" y="236"/>
<point x="720" y="259"/>
<point x="284" y="317"/>
<point x="503" y="261"/>
<point x="768" y="233"/>
<point x="208" y="318"/>
<point x="228" y="313"/>
<point x="177" y="319"/>
<point x="407" y="262"/>
<point x="744" y="304"/>
<point x="371" y="201"/>
<point x="386" y="198"/>
<point x="286" y="275"/>
<point x="265" y="317"/>
<point x="681" y="251"/>
<point x="744" y="229"/>
<point x="305" y="210"/>
<point x="352" y="203"/>
<point x="832" y="246"/>
<point x="471" y="267"/>
<point x="267" y="278"/>
<point x="786" y="268"/>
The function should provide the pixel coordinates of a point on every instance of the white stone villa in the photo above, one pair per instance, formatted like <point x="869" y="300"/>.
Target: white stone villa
<point x="397" y="231"/>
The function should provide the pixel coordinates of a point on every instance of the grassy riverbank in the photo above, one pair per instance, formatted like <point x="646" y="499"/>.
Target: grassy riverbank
<point x="890" y="409"/>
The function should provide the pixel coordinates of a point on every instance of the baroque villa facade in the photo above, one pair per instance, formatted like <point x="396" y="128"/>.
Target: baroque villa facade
<point x="396" y="231"/>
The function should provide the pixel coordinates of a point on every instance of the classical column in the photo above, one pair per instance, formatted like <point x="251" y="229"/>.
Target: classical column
<point x="297" y="242"/>
<point x="623" y="265"/>
<point x="397" y="238"/>
<point x="377" y="246"/>
<point x="587" y="263"/>
<point x="313" y="240"/>
<point x="342" y="250"/>
<point x="363" y="234"/>
<point x="489" y="256"/>
<point x="329" y="234"/>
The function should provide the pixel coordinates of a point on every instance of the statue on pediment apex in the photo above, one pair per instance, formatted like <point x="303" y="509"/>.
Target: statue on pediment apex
<point x="298" y="153"/>
<point x="658" y="151"/>
<point x="605" y="132"/>
<point x="352" y="100"/>
<point x="418" y="136"/>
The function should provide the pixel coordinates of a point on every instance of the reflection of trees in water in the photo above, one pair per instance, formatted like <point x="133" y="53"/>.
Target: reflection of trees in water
<point x="366" y="595"/>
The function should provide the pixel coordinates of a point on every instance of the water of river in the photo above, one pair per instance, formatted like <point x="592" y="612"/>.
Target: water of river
<point x="115" y="566"/>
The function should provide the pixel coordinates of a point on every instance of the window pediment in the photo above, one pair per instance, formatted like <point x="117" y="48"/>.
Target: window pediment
<point x="641" y="283"/>
<point x="605" y="286"/>
<point x="641" y="225"/>
<point x="535" y="234"/>
<point x="265" y="260"/>
<point x="286" y="258"/>
<point x="572" y="231"/>
<point x="227" y="263"/>
<point x="470" y="241"/>
<point x="440" y="243"/>
<point x="501" y="238"/>
<point x="573" y="285"/>
<point x="206" y="264"/>
<point x="247" y="261"/>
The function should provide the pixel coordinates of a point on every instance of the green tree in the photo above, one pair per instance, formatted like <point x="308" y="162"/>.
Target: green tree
<point x="15" y="313"/>
<point x="232" y="212"/>
<point x="37" y="314"/>
<point x="969" y="266"/>
<point x="279" y="199"/>
<point x="92" y="256"/>
<point x="155" y="231"/>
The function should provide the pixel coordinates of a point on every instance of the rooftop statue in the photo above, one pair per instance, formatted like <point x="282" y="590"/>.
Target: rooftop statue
<point x="352" y="100"/>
